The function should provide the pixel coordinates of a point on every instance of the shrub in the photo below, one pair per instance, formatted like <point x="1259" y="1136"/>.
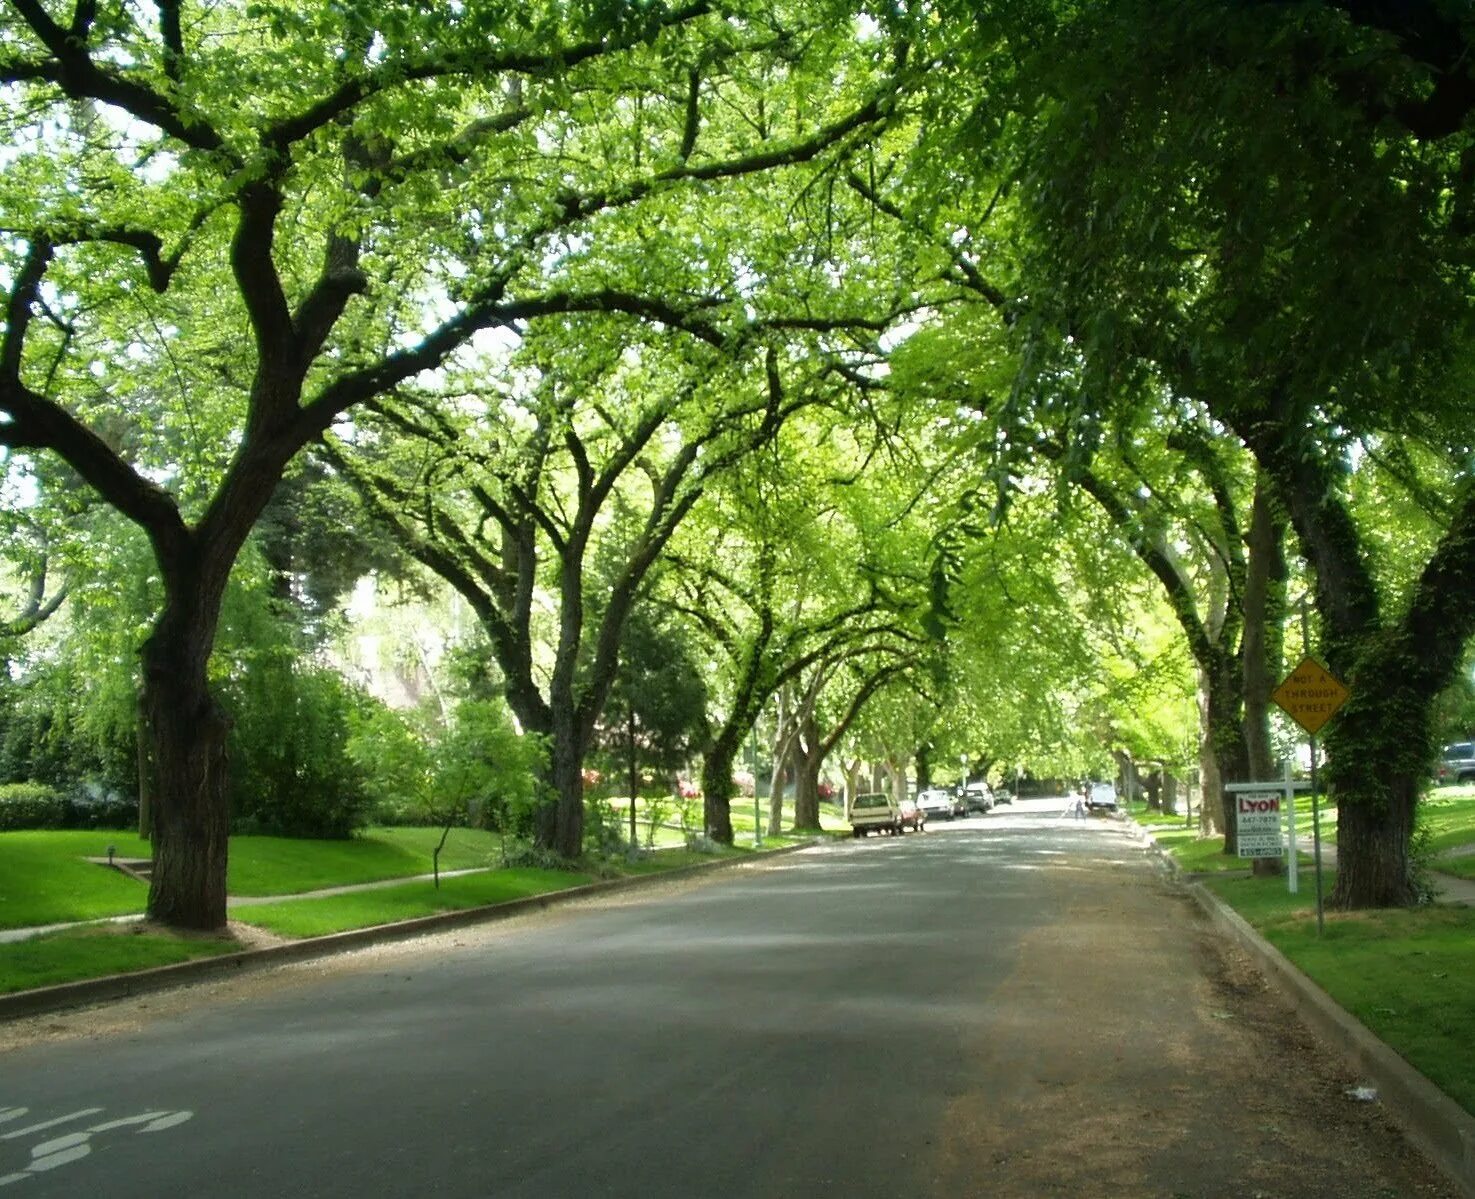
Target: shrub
<point x="30" y="806"/>
<point x="291" y="773"/>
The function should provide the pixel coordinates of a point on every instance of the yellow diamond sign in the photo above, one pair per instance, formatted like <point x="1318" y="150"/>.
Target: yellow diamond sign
<point x="1310" y="695"/>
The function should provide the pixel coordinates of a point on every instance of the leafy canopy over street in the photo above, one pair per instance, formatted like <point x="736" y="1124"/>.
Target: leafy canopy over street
<point x="965" y="391"/>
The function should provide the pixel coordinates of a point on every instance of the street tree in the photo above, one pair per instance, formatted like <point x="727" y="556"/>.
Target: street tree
<point x="1286" y="244"/>
<point x="226" y="227"/>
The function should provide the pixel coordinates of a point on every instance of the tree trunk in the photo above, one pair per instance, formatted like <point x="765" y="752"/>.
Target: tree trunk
<point x="1373" y="851"/>
<point x="560" y="821"/>
<point x="187" y="733"/>
<point x="717" y="787"/>
<point x="809" y="756"/>
<point x="776" y="795"/>
<point x="1264" y="608"/>
<point x="1170" y="793"/>
<point x="148" y="783"/>
<point x="1211" y="799"/>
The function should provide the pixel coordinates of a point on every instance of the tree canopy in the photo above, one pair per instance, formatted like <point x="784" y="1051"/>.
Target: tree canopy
<point x="973" y="381"/>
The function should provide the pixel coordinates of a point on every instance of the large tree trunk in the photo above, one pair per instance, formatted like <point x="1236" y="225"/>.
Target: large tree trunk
<point x="809" y="755"/>
<point x="1373" y="851"/>
<point x="187" y="732"/>
<point x="1377" y="755"/>
<point x="148" y="783"/>
<point x="1379" y="745"/>
<point x="561" y="822"/>
<point x="1211" y="799"/>
<point x="717" y="786"/>
<point x="1260" y="651"/>
<point x="1264" y="607"/>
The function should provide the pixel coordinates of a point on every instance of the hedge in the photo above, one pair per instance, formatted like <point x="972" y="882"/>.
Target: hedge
<point x="37" y="806"/>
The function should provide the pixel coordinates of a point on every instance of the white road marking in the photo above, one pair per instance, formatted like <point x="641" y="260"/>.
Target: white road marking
<point x="73" y="1146"/>
<point x="21" y="1132"/>
<point x="7" y="1114"/>
<point x="167" y="1121"/>
<point x="127" y="1120"/>
<point x="59" y="1152"/>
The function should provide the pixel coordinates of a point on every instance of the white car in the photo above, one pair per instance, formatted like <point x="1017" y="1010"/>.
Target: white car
<point x="935" y="802"/>
<point x="1101" y="797"/>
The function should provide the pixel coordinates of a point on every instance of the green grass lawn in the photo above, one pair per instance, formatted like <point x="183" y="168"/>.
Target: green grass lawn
<point x="44" y="878"/>
<point x="288" y="866"/>
<point x="363" y="909"/>
<point x="95" y="952"/>
<point x="1449" y="815"/>
<point x="1404" y="973"/>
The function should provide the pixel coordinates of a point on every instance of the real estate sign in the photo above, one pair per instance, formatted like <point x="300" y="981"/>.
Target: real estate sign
<point x="1258" y="817"/>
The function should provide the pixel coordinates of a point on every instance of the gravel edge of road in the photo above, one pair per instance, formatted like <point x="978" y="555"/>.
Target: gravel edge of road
<point x="43" y="1000"/>
<point x="1434" y="1122"/>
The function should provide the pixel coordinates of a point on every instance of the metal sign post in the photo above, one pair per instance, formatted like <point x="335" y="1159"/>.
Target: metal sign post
<point x="1311" y="695"/>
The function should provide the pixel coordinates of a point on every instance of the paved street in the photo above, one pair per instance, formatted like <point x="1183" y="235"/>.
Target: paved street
<point x="1012" y="1005"/>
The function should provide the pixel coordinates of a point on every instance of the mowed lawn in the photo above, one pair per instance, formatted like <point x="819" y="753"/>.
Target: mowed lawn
<point x="1405" y="973"/>
<point x="46" y="879"/>
<point x="282" y="870"/>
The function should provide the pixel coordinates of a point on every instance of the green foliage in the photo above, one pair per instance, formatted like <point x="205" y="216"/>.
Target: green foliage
<point x="30" y="805"/>
<point x="293" y="774"/>
<point x="657" y="706"/>
<point x="478" y="770"/>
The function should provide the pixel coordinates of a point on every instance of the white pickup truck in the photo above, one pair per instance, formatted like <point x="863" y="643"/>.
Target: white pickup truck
<point x="874" y="812"/>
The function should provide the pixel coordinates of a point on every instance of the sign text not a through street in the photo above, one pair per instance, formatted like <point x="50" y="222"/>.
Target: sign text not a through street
<point x="1310" y="695"/>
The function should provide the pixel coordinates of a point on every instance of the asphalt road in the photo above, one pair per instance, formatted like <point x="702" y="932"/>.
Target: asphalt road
<point x="1010" y="1005"/>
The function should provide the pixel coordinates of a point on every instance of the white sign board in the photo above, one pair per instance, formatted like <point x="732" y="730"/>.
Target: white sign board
<point x="1258" y="816"/>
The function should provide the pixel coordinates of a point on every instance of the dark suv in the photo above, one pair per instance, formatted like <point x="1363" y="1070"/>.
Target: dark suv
<point x="1456" y="763"/>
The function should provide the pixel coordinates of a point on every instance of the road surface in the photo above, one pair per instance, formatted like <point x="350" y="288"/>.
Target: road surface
<point x="1011" y="1005"/>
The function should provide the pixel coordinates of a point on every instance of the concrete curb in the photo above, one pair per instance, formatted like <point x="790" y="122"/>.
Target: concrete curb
<point x="121" y="986"/>
<point x="1434" y="1122"/>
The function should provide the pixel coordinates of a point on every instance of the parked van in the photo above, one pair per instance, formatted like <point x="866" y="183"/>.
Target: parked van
<point x="874" y="812"/>
<point x="1101" y="797"/>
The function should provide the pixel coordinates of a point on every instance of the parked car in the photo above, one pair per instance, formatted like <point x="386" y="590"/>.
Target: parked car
<point x="1456" y="763"/>
<point x="935" y="802"/>
<point x="910" y="816"/>
<point x="1101" y="797"/>
<point x="978" y="797"/>
<point x="875" y="812"/>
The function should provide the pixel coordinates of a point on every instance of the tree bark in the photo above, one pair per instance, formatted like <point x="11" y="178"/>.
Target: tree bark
<point x="1264" y="605"/>
<point x="187" y="734"/>
<point x="1211" y="800"/>
<point x="809" y="755"/>
<point x="776" y="795"/>
<point x="717" y="786"/>
<point x="1379" y="746"/>
<point x="148" y="783"/>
